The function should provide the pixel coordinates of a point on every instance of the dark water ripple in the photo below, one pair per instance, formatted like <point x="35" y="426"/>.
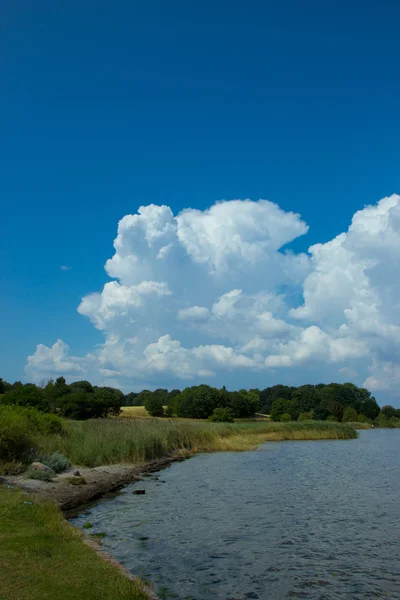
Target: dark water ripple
<point x="297" y="520"/>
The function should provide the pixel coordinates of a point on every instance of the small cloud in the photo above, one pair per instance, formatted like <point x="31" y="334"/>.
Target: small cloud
<point x="348" y="372"/>
<point x="65" y="268"/>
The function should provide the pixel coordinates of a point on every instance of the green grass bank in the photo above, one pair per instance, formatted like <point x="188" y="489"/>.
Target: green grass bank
<point x="43" y="558"/>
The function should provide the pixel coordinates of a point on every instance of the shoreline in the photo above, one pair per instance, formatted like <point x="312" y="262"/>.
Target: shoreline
<point x="72" y="495"/>
<point x="100" y="481"/>
<point x="106" y="556"/>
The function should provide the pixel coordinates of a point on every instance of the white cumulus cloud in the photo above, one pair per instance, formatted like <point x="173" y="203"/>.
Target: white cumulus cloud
<point x="208" y="296"/>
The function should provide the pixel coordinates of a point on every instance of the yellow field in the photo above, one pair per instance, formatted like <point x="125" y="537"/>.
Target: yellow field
<point x="134" y="412"/>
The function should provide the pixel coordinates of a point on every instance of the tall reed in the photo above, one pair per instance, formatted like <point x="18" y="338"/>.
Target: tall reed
<point x="113" y="441"/>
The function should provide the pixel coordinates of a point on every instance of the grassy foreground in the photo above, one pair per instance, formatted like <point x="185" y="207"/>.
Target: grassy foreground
<point x="111" y="441"/>
<point x="43" y="558"/>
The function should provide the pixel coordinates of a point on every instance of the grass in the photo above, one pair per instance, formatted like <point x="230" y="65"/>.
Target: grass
<point x="52" y="560"/>
<point x="112" y="441"/>
<point x="359" y="425"/>
<point x="33" y="473"/>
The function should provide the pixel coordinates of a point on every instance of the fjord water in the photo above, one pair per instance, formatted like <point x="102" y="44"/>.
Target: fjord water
<point x="312" y="520"/>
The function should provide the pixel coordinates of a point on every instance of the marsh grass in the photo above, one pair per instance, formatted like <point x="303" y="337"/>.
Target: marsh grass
<point x="357" y="425"/>
<point x="52" y="560"/>
<point x="112" y="441"/>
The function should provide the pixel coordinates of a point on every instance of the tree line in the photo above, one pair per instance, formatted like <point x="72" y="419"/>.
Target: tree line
<point x="82" y="400"/>
<point x="78" y="400"/>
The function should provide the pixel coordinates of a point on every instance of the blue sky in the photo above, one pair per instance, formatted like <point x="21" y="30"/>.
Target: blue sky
<point x="107" y="107"/>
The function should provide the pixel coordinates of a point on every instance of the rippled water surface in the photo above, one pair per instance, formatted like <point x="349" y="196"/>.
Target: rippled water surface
<point x="313" y="520"/>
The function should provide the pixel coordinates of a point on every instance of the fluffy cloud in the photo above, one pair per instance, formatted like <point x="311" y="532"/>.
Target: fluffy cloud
<point x="118" y="301"/>
<point x="207" y="295"/>
<point x="47" y="361"/>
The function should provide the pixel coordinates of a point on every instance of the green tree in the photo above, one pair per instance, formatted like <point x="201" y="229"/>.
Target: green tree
<point x="17" y="385"/>
<point x="61" y="387"/>
<point x="28" y="395"/>
<point x="268" y="395"/>
<point x="51" y="393"/>
<point x="112" y="398"/>
<point x="282" y="406"/>
<point x="320" y="413"/>
<point x="243" y="404"/>
<point x="4" y="386"/>
<point x="388" y="411"/>
<point x="84" y="386"/>
<point x="197" y="402"/>
<point x="155" y="405"/>
<point x="163" y="394"/>
<point x="330" y="399"/>
<point x="142" y="397"/>
<point x="307" y="397"/>
<point x="82" y="406"/>
<point x="131" y="399"/>
<point x="369" y="408"/>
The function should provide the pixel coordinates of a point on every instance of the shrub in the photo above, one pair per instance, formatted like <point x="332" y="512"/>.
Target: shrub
<point x="333" y="419"/>
<point x="19" y="428"/>
<point x="170" y="410"/>
<point x="33" y="473"/>
<point x="305" y="416"/>
<point x="381" y="420"/>
<point x="349" y="415"/>
<point x="15" y="434"/>
<point x="285" y="417"/>
<point x="44" y="423"/>
<point x="221" y="415"/>
<point x="56" y="461"/>
<point x="77" y="480"/>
